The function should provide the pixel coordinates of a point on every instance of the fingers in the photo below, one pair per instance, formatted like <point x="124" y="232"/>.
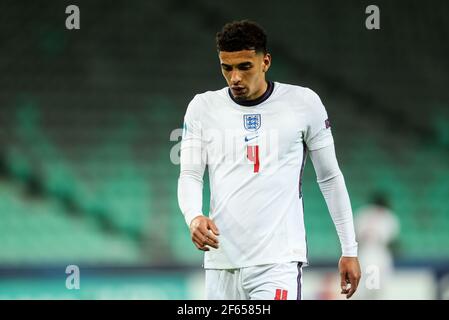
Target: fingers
<point x="351" y="290"/>
<point x="204" y="233"/>
<point x="200" y="247"/>
<point x="349" y="283"/>
<point x="350" y="275"/>
<point x="211" y="239"/>
<point x="211" y="231"/>
<point x="204" y="240"/>
<point x="354" y="281"/>
<point x="213" y="227"/>
<point x="344" y="283"/>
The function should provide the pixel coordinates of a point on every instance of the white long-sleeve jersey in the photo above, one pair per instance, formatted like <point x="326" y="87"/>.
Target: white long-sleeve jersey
<point x="255" y="153"/>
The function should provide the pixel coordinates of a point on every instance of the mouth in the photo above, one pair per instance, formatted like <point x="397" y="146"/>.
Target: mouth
<point x="238" y="90"/>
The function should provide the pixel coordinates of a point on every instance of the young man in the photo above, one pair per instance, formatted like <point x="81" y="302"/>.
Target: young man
<point x="255" y="136"/>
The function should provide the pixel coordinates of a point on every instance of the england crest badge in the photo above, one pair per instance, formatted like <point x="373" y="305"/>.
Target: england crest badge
<point x="252" y="122"/>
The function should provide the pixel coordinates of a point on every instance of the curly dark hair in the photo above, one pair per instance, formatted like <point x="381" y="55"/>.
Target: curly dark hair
<point x="242" y="35"/>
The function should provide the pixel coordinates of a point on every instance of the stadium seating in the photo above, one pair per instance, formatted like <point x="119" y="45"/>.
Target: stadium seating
<point x="86" y="122"/>
<point x="36" y="231"/>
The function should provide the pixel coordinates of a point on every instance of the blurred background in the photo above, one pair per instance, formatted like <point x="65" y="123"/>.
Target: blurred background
<point x="88" y="120"/>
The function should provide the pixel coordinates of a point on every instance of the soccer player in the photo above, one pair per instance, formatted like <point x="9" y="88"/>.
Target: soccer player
<point x="254" y="136"/>
<point x="377" y="229"/>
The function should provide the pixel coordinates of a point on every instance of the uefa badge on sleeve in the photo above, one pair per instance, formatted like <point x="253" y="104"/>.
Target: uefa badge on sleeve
<point x="252" y="122"/>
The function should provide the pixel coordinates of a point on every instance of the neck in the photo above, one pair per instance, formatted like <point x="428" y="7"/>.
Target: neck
<point x="260" y="92"/>
<point x="268" y="89"/>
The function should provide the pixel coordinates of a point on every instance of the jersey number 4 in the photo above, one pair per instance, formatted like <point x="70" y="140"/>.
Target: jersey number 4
<point x="252" y="152"/>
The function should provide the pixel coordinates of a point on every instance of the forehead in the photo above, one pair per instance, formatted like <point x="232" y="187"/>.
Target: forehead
<point x="237" y="57"/>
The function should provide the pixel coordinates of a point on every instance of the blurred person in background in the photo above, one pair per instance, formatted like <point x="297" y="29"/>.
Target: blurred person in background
<point x="326" y="290"/>
<point x="377" y="228"/>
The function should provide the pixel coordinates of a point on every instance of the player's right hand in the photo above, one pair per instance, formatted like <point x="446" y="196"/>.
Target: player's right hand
<point x="204" y="233"/>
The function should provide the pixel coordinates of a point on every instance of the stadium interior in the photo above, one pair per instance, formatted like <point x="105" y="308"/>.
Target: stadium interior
<point x="87" y="120"/>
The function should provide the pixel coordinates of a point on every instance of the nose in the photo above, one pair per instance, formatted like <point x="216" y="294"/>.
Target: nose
<point x="235" y="77"/>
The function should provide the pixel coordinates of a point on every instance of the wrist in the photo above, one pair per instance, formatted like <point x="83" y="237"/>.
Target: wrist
<point x="189" y="218"/>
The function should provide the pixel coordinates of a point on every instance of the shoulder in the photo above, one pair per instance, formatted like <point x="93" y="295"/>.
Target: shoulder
<point x="304" y="96"/>
<point x="209" y="96"/>
<point x="202" y="102"/>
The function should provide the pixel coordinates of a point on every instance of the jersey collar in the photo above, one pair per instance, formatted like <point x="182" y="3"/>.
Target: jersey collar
<point x="251" y="103"/>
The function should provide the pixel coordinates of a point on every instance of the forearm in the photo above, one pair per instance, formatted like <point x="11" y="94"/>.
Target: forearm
<point x="333" y="187"/>
<point x="190" y="182"/>
<point x="190" y="194"/>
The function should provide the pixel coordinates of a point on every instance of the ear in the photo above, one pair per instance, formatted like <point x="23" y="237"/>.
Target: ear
<point x="266" y="62"/>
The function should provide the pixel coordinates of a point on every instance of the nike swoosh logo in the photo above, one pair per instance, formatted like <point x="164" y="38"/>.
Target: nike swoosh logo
<point x="249" y="139"/>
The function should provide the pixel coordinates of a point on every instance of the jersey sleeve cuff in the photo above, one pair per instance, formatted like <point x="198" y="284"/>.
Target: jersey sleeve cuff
<point x="350" y="251"/>
<point x="190" y="217"/>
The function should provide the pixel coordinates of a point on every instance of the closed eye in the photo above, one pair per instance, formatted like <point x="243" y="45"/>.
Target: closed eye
<point x="245" y="66"/>
<point x="242" y="66"/>
<point x="226" y="67"/>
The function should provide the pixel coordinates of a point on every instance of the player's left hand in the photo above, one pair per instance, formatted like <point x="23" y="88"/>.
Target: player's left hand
<point x="350" y="275"/>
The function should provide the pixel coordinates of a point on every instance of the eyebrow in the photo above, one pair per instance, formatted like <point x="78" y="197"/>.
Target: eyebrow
<point x="243" y="64"/>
